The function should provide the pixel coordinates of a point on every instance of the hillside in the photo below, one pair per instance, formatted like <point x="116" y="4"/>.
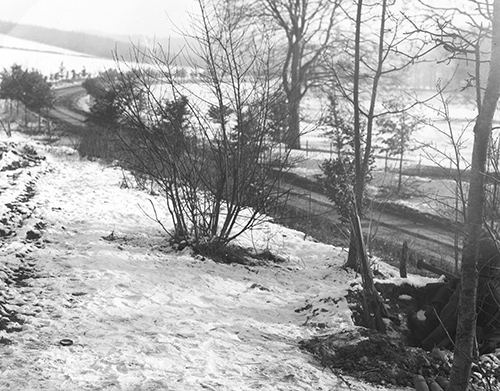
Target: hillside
<point x="93" y="298"/>
<point x="47" y="59"/>
<point x="91" y="44"/>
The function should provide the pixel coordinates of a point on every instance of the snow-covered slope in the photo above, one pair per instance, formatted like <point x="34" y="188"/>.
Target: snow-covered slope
<point x="137" y="316"/>
<point x="7" y="41"/>
<point x="45" y="58"/>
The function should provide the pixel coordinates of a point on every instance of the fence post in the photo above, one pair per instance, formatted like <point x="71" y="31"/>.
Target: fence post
<point x="404" y="260"/>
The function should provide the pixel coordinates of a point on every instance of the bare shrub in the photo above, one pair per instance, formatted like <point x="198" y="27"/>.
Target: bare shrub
<point x="206" y="146"/>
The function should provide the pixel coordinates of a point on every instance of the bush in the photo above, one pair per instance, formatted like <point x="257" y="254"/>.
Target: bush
<point x="28" y="87"/>
<point x="217" y="167"/>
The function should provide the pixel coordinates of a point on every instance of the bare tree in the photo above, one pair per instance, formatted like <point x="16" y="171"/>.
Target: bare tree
<point x="394" y="45"/>
<point x="453" y="162"/>
<point x="463" y="32"/>
<point x="466" y="328"/>
<point x="397" y="130"/>
<point x="219" y="176"/>
<point x="307" y="26"/>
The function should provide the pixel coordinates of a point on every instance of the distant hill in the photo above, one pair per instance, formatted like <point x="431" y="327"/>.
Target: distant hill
<point x="88" y="43"/>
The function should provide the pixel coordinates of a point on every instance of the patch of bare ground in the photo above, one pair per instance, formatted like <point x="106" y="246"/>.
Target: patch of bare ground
<point x="20" y="165"/>
<point x="398" y="358"/>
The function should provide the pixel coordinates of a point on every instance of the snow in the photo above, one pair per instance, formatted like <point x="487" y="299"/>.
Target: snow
<point x="50" y="62"/>
<point x="431" y="144"/>
<point x="392" y="276"/>
<point x="84" y="103"/>
<point x="7" y="41"/>
<point x="46" y="58"/>
<point x="143" y="317"/>
<point x="421" y="315"/>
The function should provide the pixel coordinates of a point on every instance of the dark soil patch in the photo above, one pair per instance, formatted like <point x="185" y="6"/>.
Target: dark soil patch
<point x="375" y="357"/>
<point x="230" y="254"/>
<point x="5" y="341"/>
<point x="268" y="257"/>
<point x="9" y="321"/>
<point x="21" y="276"/>
<point x="396" y="358"/>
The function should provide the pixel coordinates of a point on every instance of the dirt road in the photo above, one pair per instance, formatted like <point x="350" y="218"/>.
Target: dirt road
<point x="64" y="106"/>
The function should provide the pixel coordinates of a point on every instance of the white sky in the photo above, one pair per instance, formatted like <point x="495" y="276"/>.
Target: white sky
<point x="147" y="17"/>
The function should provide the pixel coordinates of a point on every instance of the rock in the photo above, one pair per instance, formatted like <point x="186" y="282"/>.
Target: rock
<point x="111" y="237"/>
<point x="33" y="234"/>
<point x="4" y="231"/>
<point x="40" y="225"/>
<point x="260" y="287"/>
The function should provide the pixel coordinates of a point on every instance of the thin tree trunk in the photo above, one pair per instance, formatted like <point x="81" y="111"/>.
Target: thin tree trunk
<point x="293" y="92"/>
<point x="373" y="305"/>
<point x="10" y="115"/>
<point x="293" y="136"/>
<point x="373" y="97"/>
<point x="466" y="325"/>
<point x="358" y="190"/>
<point x="403" y="262"/>
<point x="456" y="233"/>
<point x="362" y="158"/>
<point x="352" y="258"/>
<point x="400" y="176"/>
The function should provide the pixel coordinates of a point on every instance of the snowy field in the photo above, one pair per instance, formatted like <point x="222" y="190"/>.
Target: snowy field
<point x="134" y="315"/>
<point x="45" y="58"/>
<point x="430" y="143"/>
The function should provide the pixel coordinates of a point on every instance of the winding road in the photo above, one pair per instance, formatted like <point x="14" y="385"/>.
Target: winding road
<point x="64" y="107"/>
<point x="426" y="239"/>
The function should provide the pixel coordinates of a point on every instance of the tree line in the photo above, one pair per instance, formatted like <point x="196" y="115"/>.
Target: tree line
<point x="29" y="87"/>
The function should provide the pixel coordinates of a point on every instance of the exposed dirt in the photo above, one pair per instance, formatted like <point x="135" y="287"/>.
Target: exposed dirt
<point x="21" y="167"/>
<point x="376" y="358"/>
<point x="395" y="358"/>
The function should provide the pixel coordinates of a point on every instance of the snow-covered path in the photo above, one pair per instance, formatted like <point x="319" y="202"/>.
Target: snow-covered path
<point x="142" y="317"/>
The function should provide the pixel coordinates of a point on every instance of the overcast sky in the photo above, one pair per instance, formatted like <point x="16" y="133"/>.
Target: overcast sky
<point x="148" y="17"/>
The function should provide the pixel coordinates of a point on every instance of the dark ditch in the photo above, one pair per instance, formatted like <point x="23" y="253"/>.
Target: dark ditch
<point x="420" y="337"/>
<point x="18" y="276"/>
